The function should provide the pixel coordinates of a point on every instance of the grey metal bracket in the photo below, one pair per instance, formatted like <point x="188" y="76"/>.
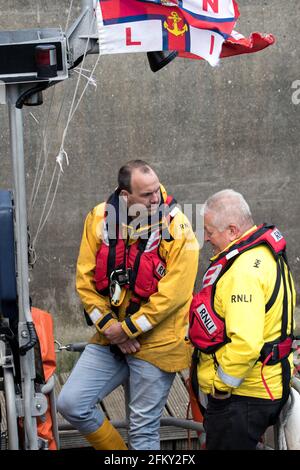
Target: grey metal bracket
<point x="82" y="30"/>
<point x="39" y="405"/>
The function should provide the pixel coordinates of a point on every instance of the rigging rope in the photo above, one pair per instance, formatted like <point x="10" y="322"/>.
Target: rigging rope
<point x="36" y="186"/>
<point x="62" y="154"/>
<point x="69" y="15"/>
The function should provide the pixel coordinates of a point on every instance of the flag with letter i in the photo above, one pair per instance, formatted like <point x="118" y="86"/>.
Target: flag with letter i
<point x="202" y="29"/>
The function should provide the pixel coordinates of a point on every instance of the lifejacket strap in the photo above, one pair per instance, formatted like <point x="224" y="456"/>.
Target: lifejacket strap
<point x="275" y="292"/>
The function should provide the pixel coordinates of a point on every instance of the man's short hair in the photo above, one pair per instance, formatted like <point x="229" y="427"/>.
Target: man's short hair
<point x="124" y="176"/>
<point x="229" y="206"/>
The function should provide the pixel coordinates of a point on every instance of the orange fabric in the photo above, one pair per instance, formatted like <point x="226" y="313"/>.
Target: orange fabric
<point x="44" y="328"/>
<point x="45" y="431"/>
<point x="196" y="413"/>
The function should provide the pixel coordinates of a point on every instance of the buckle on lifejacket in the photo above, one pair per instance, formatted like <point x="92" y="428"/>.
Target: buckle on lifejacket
<point x="275" y="353"/>
<point x="118" y="278"/>
<point x="121" y="276"/>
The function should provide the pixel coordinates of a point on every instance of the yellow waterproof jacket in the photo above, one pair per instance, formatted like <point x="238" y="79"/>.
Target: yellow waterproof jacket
<point x="240" y="298"/>
<point x="161" y="322"/>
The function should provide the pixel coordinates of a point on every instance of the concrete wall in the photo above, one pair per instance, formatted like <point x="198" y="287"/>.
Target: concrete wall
<point x="203" y="129"/>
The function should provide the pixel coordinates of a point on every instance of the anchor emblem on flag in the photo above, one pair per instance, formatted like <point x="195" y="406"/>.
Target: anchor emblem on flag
<point x="175" y="30"/>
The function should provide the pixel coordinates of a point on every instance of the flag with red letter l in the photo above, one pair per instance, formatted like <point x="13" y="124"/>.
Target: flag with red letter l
<point x="199" y="27"/>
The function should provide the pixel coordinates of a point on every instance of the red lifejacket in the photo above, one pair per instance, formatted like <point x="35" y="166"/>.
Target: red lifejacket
<point x="140" y="262"/>
<point x="207" y="329"/>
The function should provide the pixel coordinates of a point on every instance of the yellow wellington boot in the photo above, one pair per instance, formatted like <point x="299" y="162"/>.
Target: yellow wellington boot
<point x="106" y="438"/>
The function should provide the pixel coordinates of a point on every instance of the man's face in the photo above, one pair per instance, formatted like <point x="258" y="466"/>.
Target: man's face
<point x="218" y="239"/>
<point x="145" y="193"/>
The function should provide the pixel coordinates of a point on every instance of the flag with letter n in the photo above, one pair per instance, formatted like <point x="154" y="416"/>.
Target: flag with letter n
<point x="198" y="27"/>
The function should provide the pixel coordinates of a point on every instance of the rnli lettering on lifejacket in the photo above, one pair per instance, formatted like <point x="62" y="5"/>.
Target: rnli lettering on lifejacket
<point x="206" y="319"/>
<point x="276" y="234"/>
<point x="161" y="270"/>
<point x="241" y="298"/>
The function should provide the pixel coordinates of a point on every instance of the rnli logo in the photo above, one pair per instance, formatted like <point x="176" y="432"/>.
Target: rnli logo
<point x="175" y="25"/>
<point x="276" y="234"/>
<point x="161" y="270"/>
<point x="206" y="319"/>
<point x="211" y="275"/>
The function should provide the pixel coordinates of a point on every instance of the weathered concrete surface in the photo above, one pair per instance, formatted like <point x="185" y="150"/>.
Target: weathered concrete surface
<point x="203" y="129"/>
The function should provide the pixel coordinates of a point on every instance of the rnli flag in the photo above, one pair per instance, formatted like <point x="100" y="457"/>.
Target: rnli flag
<point x="237" y="44"/>
<point x="199" y="27"/>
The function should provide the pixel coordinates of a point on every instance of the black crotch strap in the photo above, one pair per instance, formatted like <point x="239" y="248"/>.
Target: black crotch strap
<point x="134" y="305"/>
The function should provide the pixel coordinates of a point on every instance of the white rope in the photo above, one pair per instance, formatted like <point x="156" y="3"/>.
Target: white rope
<point x="84" y="90"/>
<point x="72" y="112"/>
<point x="62" y="154"/>
<point x="42" y="225"/>
<point x="86" y="85"/>
<point x="41" y="222"/>
<point x="91" y="80"/>
<point x="34" y="118"/>
<point x="69" y="15"/>
<point x="60" y="159"/>
<point x="35" y="187"/>
<point x="46" y="151"/>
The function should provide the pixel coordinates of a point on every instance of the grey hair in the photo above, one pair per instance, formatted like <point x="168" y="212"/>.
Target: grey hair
<point x="229" y="207"/>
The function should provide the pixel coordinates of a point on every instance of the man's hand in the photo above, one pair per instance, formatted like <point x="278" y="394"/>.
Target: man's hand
<point x="115" y="334"/>
<point x="130" y="346"/>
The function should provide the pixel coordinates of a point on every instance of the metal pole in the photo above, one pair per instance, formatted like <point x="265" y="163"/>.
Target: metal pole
<point x="87" y="4"/>
<point x="11" y="410"/>
<point x="27" y="361"/>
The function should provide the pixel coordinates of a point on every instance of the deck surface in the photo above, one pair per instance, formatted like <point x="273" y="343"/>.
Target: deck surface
<point x="114" y="407"/>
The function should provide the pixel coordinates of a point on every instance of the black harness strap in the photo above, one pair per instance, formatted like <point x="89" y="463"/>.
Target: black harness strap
<point x="194" y="375"/>
<point x="275" y="292"/>
<point x="284" y="322"/>
<point x="111" y="259"/>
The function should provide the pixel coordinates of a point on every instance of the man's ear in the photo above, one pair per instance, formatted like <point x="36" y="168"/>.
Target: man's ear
<point x="234" y="232"/>
<point x="124" y="193"/>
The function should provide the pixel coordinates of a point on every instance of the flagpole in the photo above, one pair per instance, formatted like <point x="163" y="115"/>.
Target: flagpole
<point x="88" y="4"/>
<point x="25" y="318"/>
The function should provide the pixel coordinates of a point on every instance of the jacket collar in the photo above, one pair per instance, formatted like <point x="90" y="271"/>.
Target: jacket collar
<point x="248" y="232"/>
<point x="117" y="218"/>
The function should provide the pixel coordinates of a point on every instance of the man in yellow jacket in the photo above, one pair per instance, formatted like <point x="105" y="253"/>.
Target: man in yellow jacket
<point x="241" y="322"/>
<point x="135" y="275"/>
